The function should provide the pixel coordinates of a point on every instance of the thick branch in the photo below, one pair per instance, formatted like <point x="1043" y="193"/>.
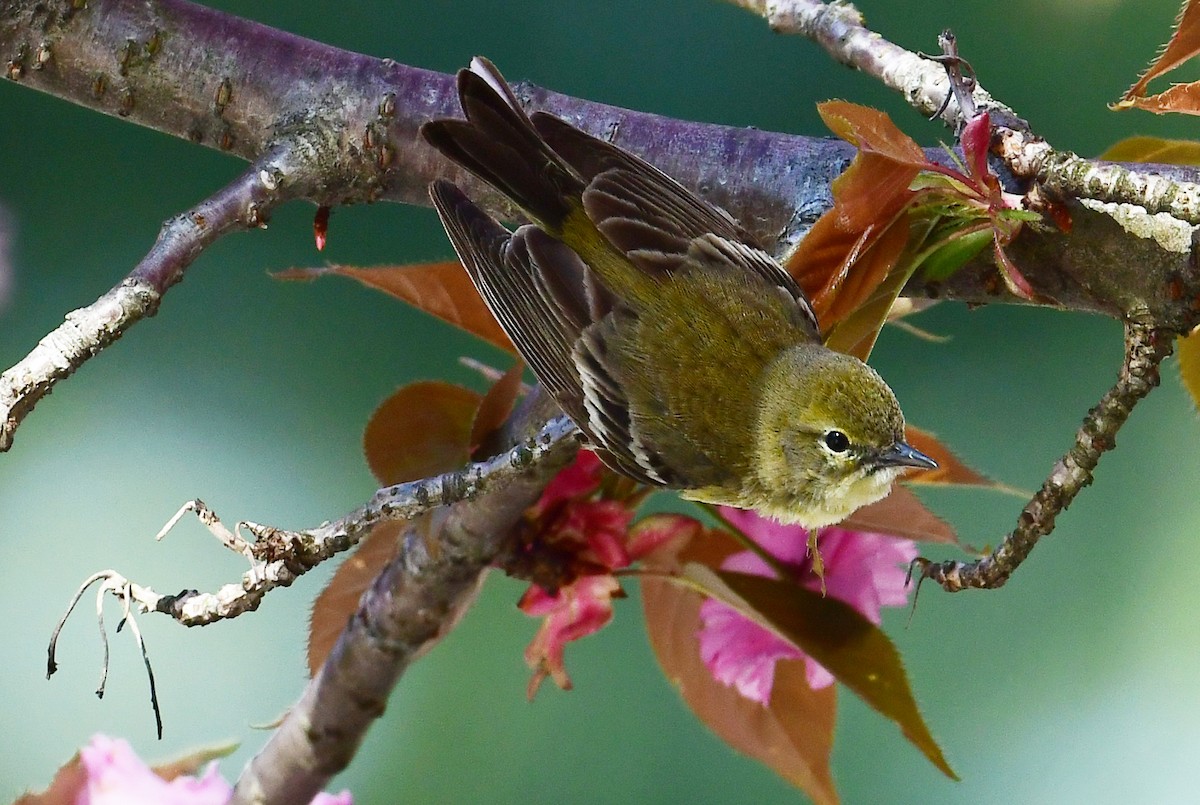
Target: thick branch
<point x="211" y="73"/>
<point x="350" y="124"/>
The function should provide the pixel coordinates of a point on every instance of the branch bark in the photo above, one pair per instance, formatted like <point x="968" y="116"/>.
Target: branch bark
<point x="1146" y="347"/>
<point x="349" y="124"/>
<point x="413" y="602"/>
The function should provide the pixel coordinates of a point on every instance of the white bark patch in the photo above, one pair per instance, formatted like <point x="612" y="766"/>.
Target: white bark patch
<point x="1169" y="232"/>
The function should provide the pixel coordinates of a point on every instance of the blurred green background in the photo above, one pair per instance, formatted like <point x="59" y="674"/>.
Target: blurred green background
<point x="1079" y="681"/>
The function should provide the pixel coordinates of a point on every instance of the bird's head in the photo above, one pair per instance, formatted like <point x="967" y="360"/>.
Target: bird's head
<point x="830" y="437"/>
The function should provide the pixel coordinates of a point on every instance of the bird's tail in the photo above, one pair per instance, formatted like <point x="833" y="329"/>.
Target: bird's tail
<point x="498" y="144"/>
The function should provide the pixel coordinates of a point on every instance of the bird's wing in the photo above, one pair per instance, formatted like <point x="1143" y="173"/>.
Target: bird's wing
<point x="657" y="223"/>
<point x="550" y="304"/>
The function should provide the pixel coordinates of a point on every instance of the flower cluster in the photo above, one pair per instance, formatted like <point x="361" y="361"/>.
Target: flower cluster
<point x="865" y="570"/>
<point x="570" y="515"/>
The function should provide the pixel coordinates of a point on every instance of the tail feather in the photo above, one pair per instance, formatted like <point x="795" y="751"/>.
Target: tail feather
<point x="498" y="143"/>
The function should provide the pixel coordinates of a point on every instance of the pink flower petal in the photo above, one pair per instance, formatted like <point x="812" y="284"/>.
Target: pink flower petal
<point x="653" y="532"/>
<point x="739" y="652"/>
<point x="578" y="610"/>
<point x="117" y="776"/>
<point x="579" y="479"/>
<point x="865" y="570"/>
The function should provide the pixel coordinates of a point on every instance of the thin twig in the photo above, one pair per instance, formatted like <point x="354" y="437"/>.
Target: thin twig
<point x="131" y="619"/>
<point x="961" y="83"/>
<point x="128" y="594"/>
<point x="839" y="29"/>
<point x="1146" y="346"/>
<point x="100" y="688"/>
<point x="280" y="556"/>
<point x="244" y="203"/>
<point x="51" y="664"/>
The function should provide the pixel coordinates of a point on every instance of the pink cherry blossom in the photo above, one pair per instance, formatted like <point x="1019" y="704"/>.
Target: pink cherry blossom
<point x="117" y="776"/>
<point x="581" y="608"/>
<point x="570" y="517"/>
<point x="865" y="570"/>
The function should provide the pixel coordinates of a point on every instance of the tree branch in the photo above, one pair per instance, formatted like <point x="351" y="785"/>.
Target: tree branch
<point x="342" y="129"/>
<point x="838" y="28"/>
<point x="1146" y="347"/>
<point x="415" y="600"/>
<point x="351" y="122"/>
<point x="243" y="204"/>
<point x="279" y="556"/>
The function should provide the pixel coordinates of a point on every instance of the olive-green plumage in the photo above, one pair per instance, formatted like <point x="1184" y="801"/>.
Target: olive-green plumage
<point x="683" y="351"/>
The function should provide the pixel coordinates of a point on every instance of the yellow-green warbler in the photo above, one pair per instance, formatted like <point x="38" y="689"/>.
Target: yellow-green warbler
<point x="686" y="354"/>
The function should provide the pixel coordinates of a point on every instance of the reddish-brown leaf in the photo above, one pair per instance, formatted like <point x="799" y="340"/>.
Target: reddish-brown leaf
<point x="68" y="784"/>
<point x="853" y="247"/>
<point x="496" y="405"/>
<point x="1154" y="149"/>
<point x="877" y="183"/>
<point x="339" y="600"/>
<point x="793" y="735"/>
<point x="854" y="650"/>
<point x="1183" y="45"/>
<point x="950" y="469"/>
<point x="1179" y="98"/>
<point x="901" y="514"/>
<point x="423" y="429"/>
<point x="872" y="131"/>
<point x="853" y="316"/>
<point x="440" y="289"/>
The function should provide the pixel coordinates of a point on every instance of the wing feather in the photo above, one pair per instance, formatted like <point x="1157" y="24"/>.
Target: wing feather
<point x="562" y="322"/>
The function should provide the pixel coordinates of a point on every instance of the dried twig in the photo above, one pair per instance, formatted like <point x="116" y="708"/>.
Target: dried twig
<point x="117" y="585"/>
<point x="278" y="556"/>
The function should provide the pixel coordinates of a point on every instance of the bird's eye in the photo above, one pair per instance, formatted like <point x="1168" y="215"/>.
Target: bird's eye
<point x="837" y="441"/>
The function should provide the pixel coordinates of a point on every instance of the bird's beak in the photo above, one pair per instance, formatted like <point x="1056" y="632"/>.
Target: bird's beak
<point x="902" y="454"/>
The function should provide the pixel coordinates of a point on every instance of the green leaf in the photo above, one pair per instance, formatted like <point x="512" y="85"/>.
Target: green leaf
<point x="854" y="650"/>
<point x="954" y="252"/>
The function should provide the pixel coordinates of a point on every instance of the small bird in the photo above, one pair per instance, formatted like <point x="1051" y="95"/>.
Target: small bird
<point x="688" y="357"/>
